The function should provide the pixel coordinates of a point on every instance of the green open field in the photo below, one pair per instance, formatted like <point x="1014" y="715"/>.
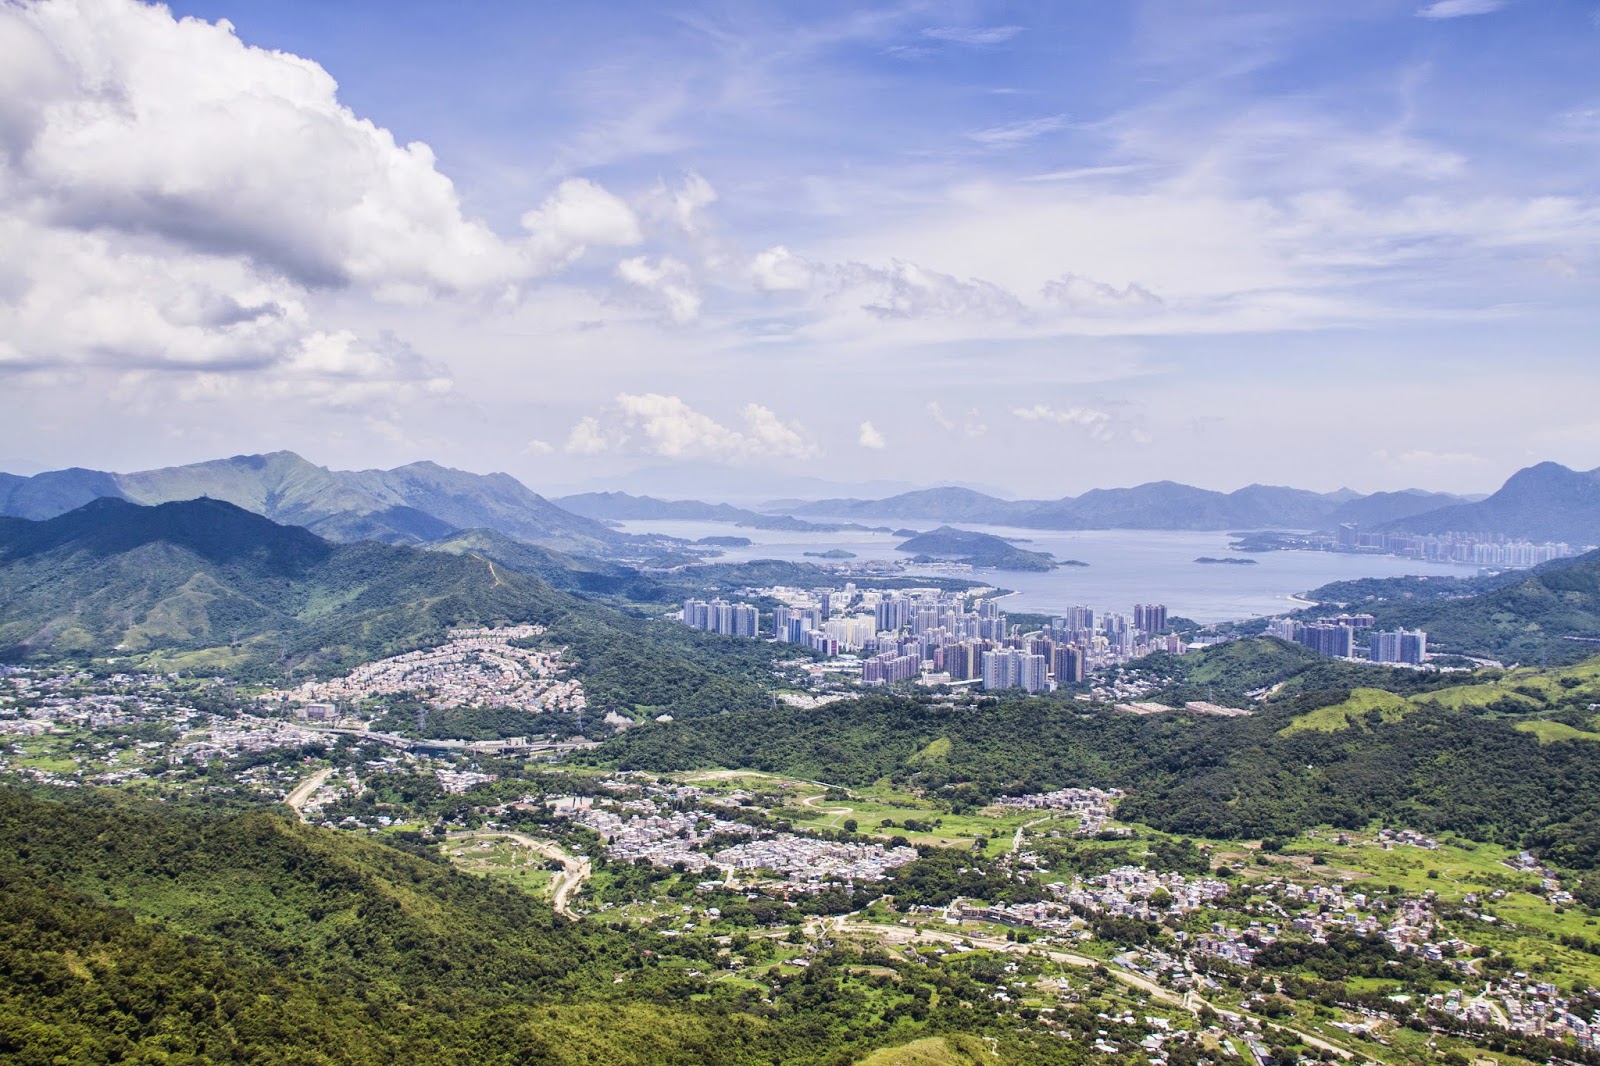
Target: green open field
<point x="1549" y="732"/>
<point x="1362" y="702"/>
<point x="47" y="753"/>
<point x="932" y="1051"/>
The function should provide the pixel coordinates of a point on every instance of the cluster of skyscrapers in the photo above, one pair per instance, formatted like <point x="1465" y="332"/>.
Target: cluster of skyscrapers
<point x="1482" y="549"/>
<point x="905" y="634"/>
<point x="1399" y="646"/>
<point x="729" y="619"/>
<point x="1340" y="636"/>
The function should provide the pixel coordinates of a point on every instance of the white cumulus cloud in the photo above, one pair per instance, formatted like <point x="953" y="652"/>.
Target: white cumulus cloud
<point x="1098" y="424"/>
<point x="779" y="270"/>
<point x="174" y="199"/>
<point x="906" y="290"/>
<point x="119" y="118"/>
<point x="1078" y="293"/>
<point x="577" y="215"/>
<point x="667" y="426"/>
<point x="871" y="438"/>
<point x="587" y="437"/>
<point x="668" y="284"/>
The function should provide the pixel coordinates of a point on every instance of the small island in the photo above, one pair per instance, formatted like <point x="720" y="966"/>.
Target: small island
<point x="1228" y="562"/>
<point x="833" y="553"/>
<point x="725" y="542"/>
<point x="948" y="544"/>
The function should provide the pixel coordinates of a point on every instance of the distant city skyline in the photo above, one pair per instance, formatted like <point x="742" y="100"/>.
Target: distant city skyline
<point x="1030" y="248"/>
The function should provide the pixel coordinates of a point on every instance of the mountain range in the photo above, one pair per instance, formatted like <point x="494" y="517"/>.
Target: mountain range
<point x="423" y="503"/>
<point x="1543" y="502"/>
<point x="410" y="504"/>
<point x="621" y="506"/>
<point x="1156" y="505"/>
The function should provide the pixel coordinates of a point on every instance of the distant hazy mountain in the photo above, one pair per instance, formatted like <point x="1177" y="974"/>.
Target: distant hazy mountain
<point x="620" y="506"/>
<point x="408" y="505"/>
<point x="1543" y="502"/>
<point x="948" y="504"/>
<point x="698" y="480"/>
<point x="1156" y="505"/>
<point x="1382" y="507"/>
<point x="571" y="573"/>
<point x="54" y="492"/>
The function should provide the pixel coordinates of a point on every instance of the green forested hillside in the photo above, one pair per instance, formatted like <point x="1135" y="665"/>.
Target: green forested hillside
<point x="1234" y="671"/>
<point x="209" y="584"/>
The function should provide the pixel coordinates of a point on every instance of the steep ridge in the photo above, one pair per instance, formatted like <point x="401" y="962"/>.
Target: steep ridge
<point x="1547" y="501"/>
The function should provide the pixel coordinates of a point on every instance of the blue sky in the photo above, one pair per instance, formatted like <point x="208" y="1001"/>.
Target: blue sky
<point x="1033" y="247"/>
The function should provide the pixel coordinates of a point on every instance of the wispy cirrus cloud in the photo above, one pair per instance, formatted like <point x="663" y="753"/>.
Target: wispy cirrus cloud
<point x="1452" y="9"/>
<point x="1011" y="134"/>
<point x="976" y="36"/>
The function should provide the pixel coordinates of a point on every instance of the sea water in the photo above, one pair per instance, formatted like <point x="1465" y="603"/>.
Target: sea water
<point x="1125" y="566"/>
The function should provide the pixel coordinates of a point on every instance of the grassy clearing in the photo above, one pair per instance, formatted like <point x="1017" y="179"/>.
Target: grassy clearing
<point x="1362" y="702"/>
<point x="931" y="1051"/>
<point x="1550" y="732"/>
<point x="505" y="860"/>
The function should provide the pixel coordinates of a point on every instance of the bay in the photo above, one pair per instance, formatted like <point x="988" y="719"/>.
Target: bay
<point x="1125" y="566"/>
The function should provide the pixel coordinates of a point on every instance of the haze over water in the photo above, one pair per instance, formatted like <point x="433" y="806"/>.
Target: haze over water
<point x="1125" y="566"/>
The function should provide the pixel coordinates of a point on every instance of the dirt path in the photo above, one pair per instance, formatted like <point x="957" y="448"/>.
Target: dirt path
<point x="815" y="802"/>
<point x="1016" y="838"/>
<point x="304" y="790"/>
<point x="574" y="870"/>
<point x="492" y="571"/>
